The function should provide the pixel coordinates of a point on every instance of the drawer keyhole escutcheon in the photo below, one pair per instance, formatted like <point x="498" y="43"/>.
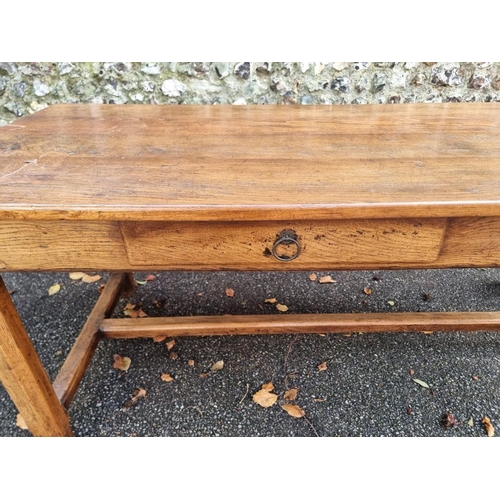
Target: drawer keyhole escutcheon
<point x="286" y="247"/>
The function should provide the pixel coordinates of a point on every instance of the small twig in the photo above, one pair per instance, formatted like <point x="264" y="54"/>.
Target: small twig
<point x="246" y="393"/>
<point x="312" y="426"/>
<point x="194" y="408"/>
<point x="289" y="350"/>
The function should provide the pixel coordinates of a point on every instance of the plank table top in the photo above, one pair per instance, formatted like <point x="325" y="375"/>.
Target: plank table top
<point x="196" y="163"/>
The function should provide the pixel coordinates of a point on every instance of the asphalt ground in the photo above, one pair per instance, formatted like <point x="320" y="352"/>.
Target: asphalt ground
<point x="367" y="388"/>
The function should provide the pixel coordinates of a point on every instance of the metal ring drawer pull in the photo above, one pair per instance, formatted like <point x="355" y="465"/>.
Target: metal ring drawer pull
<point x="286" y="237"/>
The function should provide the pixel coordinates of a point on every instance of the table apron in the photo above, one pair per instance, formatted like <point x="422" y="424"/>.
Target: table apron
<point x="317" y="245"/>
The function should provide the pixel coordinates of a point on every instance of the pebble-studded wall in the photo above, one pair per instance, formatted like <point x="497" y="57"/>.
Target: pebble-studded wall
<point x="28" y="87"/>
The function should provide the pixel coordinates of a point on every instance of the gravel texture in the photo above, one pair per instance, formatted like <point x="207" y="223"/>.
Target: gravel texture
<point x="366" y="390"/>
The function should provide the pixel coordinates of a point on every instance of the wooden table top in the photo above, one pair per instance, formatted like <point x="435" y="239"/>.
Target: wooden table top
<point x="147" y="162"/>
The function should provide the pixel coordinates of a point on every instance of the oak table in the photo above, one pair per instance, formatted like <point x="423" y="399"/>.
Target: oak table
<point x="138" y="188"/>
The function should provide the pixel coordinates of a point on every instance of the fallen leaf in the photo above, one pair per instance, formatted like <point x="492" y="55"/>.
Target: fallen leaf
<point x="141" y="282"/>
<point x="191" y="362"/>
<point x="135" y="313"/>
<point x="313" y="277"/>
<point x="291" y="394"/>
<point x="159" y="303"/>
<point x="265" y="397"/>
<point x="229" y="292"/>
<point x="21" y="423"/>
<point x="409" y="410"/>
<point x="390" y="302"/>
<point x="327" y="279"/>
<point x="160" y="338"/>
<point x="490" y="430"/>
<point x="129" y="306"/>
<point x="475" y="377"/>
<point x="121" y="362"/>
<point x="448" y="420"/>
<point x="173" y="355"/>
<point x="217" y="366"/>
<point x="271" y="301"/>
<point x="368" y="291"/>
<point x="166" y="377"/>
<point x="203" y="375"/>
<point x="421" y="382"/>
<point x="54" y="289"/>
<point x="150" y="277"/>
<point x="170" y="344"/>
<point x="470" y="423"/>
<point x="91" y="279"/>
<point x="427" y="332"/>
<point x="294" y="411"/>
<point x="138" y="393"/>
<point x="76" y="276"/>
<point x="412" y="372"/>
<point x="282" y="307"/>
<point x="322" y="367"/>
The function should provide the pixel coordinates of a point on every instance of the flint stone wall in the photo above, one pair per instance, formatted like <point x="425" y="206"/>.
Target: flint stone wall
<point x="28" y="87"/>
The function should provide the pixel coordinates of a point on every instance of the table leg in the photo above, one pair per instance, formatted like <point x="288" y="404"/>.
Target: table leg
<point x="24" y="377"/>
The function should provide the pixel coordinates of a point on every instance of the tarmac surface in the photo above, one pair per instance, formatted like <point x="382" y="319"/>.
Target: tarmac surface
<point x="367" y="388"/>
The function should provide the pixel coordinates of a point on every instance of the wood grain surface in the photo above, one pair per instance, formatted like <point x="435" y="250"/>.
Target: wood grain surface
<point x="327" y="245"/>
<point x="24" y="377"/>
<point x="120" y="328"/>
<point x="201" y="163"/>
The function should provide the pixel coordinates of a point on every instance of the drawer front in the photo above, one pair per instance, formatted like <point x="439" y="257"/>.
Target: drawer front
<point x="283" y="245"/>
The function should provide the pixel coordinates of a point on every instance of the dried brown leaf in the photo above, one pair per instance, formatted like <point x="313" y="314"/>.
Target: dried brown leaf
<point x="291" y="394"/>
<point x="160" y="338"/>
<point x="265" y="398"/>
<point x="173" y="355"/>
<point x="268" y="387"/>
<point x="313" y="277"/>
<point x="21" y="423"/>
<point x="475" y="377"/>
<point x="121" y="362"/>
<point x="217" y="366"/>
<point x="448" y="420"/>
<point x="170" y="344"/>
<point x="159" y="303"/>
<point x="166" y="377"/>
<point x="327" y="279"/>
<point x="203" y="375"/>
<point x="322" y="367"/>
<point x="271" y="301"/>
<point x="367" y="291"/>
<point x="135" y="313"/>
<point x="191" y="362"/>
<point x="294" y="411"/>
<point x="488" y="427"/>
<point x="129" y="306"/>
<point x="138" y="393"/>
<point x="282" y="307"/>
<point x="87" y="278"/>
<point x="76" y="276"/>
<point x="54" y="289"/>
<point x="229" y="292"/>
